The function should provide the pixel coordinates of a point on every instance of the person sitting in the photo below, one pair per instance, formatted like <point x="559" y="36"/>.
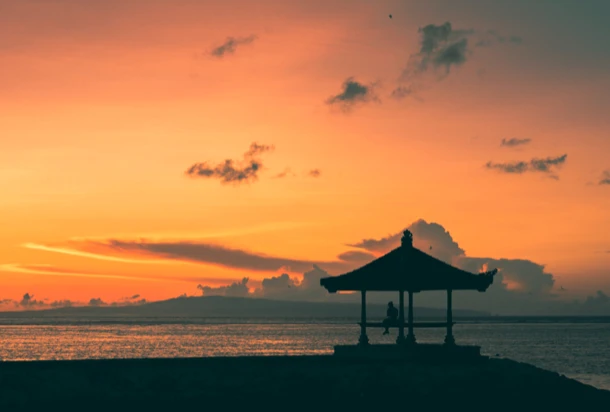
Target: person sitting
<point x="391" y="319"/>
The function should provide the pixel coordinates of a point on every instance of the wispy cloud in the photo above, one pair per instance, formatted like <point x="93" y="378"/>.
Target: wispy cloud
<point x="81" y="253"/>
<point x="208" y="253"/>
<point x="230" y="45"/>
<point x="514" y="142"/>
<point x="545" y="165"/>
<point x="48" y="270"/>
<point x="285" y="173"/>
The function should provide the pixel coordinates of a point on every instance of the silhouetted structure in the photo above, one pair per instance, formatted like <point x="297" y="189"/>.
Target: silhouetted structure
<point x="408" y="269"/>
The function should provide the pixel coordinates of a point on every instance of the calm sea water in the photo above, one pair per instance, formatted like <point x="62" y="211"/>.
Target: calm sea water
<point x="577" y="350"/>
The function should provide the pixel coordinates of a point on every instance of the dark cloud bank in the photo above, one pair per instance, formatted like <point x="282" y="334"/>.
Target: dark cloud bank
<point x="522" y="287"/>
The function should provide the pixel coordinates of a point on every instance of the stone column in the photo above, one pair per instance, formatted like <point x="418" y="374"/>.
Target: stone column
<point x="401" y="318"/>
<point x="410" y="335"/>
<point x="364" y="340"/>
<point x="449" y="340"/>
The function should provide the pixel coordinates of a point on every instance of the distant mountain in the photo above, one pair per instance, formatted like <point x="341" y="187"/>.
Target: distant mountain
<point x="192" y="308"/>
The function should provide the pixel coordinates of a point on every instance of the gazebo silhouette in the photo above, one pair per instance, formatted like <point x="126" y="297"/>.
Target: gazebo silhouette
<point x="407" y="268"/>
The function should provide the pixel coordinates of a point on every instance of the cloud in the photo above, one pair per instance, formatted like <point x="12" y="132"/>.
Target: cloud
<point x="212" y="253"/>
<point x="230" y="45"/>
<point x="28" y="301"/>
<point x="356" y="256"/>
<point x="353" y="93"/>
<point x="235" y="289"/>
<point x="514" y="142"/>
<point x="281" y="287"/>
<point x="97" y="302"/>
<point x="441" y="49"/>
<point x="491" y="37"/>
<point x="314" y="173"/>
<point x="285" y="173"/>
<point x="66" y="303"/>
<point x="231" y="171"/>
<point x="402" y="92"/>
<point x="81" y="253"/>
<point x="130" y="301"/>
<point x="516" y="275"/>
<point x="605" y="179"/>
<point x="546" y="165"/>
<point x="49" y="270"/>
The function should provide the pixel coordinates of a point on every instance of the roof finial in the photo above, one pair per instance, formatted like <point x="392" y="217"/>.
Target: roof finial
<point x="407" y="239"/>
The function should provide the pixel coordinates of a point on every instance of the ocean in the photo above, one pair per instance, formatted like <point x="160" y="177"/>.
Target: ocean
<point x="578" y="350"/>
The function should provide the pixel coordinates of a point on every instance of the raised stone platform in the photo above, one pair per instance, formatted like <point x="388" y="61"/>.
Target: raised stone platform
<point x="424" y="352"/>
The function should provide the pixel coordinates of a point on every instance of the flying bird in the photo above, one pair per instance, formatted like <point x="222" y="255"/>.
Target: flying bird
<point x="390" y="16"/>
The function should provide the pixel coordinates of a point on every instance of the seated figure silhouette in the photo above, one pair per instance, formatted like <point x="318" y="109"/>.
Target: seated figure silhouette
<point x="391" y="319"/>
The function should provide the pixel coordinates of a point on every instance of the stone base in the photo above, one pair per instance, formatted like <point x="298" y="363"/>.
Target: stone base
<point x="424" y="352"/>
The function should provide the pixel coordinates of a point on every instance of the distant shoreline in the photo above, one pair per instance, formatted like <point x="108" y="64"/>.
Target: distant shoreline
<point x="7" y="320"/>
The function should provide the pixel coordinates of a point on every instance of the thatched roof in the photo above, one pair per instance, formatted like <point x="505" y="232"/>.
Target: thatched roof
<point x="409" y="269"/>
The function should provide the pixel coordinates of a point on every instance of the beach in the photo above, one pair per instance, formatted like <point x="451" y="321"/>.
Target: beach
<point x="289" y="382"/>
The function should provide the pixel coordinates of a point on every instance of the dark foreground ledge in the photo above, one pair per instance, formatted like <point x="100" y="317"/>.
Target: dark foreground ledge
<point x="289" y="383"/>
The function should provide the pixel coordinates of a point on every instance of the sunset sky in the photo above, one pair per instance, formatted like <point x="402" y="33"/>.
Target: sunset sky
<point x="488" y="118"/>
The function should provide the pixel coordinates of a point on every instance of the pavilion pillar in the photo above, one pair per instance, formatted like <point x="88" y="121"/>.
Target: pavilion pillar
<point x="449" y="340"/>
<point x="364" y="340"/>
<point x="410" y="335"/>
<point x="401" y="318"/>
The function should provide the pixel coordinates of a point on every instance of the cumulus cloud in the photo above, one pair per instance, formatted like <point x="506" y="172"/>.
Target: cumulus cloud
<point x="514" y="142"/>
<point x="515" y="275"/>
<point x="545" y="165"/>
<point x="605" y="179"/>
<point x="28" y="301"/>
<point x="230" y="45"/>
<point x="235" y="289"/>
<point x="281" y="287"/>
<point x="231" y="171"/>
<point x="352" y="94"/>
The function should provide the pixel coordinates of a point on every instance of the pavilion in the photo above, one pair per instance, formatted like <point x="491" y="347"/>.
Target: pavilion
<point x="407" y="268"/>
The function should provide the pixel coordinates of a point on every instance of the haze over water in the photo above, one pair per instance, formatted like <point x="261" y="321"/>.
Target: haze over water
<point x="577" y="350"/>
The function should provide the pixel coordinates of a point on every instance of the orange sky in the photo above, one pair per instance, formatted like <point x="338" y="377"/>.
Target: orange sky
<point x="104" y="105"/>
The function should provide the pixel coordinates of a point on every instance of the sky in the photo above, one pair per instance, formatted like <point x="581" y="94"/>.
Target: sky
<point x="155" y="148"/>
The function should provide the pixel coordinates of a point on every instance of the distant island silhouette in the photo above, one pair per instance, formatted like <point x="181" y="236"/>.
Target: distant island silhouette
<point x="230" y="307"/>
